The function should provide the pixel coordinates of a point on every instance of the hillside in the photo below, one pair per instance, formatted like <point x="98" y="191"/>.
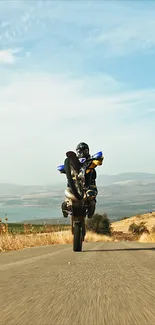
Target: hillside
<point x="123" y="225"/>
<point x="102" y="180"/>
<point x="125" y="178"/>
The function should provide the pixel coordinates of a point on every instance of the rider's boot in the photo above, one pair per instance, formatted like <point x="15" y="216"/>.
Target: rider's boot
<point x="91" y="200"/>
<point x="91" y="207"/>
<point x="92" y="192"/>
<point x="64" y="208"/>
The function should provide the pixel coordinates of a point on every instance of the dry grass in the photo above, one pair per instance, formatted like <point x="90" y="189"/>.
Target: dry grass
<point x="16" y="242"/>
<point x="147" y="238"/>
<point x="95" y="238"/>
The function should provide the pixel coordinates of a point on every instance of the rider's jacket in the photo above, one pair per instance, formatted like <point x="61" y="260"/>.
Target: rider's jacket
<point x="90" y="178"/>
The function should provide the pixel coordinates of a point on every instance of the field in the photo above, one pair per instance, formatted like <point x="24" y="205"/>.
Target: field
<point x="22" y="228"/>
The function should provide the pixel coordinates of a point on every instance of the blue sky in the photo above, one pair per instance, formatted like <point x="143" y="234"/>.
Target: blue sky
<point x="74" y="71"/>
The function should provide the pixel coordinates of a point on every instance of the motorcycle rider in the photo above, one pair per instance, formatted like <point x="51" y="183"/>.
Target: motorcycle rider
<point x="82" y="151"/>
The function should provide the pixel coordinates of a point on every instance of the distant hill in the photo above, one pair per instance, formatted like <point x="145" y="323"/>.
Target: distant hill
<point x="102" y="180"/>
<point x="125" y="178"/>
<point x="13" y="189"/>
<point x="119" y="195"/>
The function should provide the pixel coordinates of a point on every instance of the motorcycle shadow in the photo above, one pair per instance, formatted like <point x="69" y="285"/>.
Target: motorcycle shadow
<point x="119" y="249"/>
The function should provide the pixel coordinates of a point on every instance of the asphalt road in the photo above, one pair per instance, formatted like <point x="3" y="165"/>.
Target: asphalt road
<point x="108" y="283"/>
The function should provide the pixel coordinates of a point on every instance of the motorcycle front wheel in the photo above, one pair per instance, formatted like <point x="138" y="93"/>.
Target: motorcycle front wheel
<point x="78" y="236"/>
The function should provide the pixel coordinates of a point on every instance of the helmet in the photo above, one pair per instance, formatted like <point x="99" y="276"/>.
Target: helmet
<point x="82" y="150"/>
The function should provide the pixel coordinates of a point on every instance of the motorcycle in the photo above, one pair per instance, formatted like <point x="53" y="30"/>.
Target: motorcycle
<point x="76" y="197"/>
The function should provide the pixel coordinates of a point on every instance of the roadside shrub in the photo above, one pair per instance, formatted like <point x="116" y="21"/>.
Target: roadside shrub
<point x="124" y="218"/>
<point x="138" y="229"/>
<point x="100" y="224"/>
<point x="138" y="216"/>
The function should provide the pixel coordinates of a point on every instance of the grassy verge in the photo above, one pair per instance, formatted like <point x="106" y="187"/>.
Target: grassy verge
<point x="10" y="242"/>
<point x="20" y="236"/>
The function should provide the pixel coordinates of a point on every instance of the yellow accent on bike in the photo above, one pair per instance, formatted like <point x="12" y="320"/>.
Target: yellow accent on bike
<point x="95" y="163"/>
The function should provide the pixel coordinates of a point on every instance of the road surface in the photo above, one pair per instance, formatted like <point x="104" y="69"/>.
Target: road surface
<point x="108" y="283"/>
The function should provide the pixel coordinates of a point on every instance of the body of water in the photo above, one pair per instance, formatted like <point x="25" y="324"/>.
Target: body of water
<point x="114" y="211"/>
<point x="20" y="213"/>
<point x="16" y="214"/>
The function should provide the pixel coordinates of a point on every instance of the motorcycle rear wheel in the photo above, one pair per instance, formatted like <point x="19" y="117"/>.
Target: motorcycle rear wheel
<point x="73" y="181"/>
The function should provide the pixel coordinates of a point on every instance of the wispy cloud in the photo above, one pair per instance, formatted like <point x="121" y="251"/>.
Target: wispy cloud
<point x="41" y="113"/>
<point x="120" y="28"/>
<point x="85" y="72"/>
<point x="8" y="56"/>
<point x="128" y="38"/>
